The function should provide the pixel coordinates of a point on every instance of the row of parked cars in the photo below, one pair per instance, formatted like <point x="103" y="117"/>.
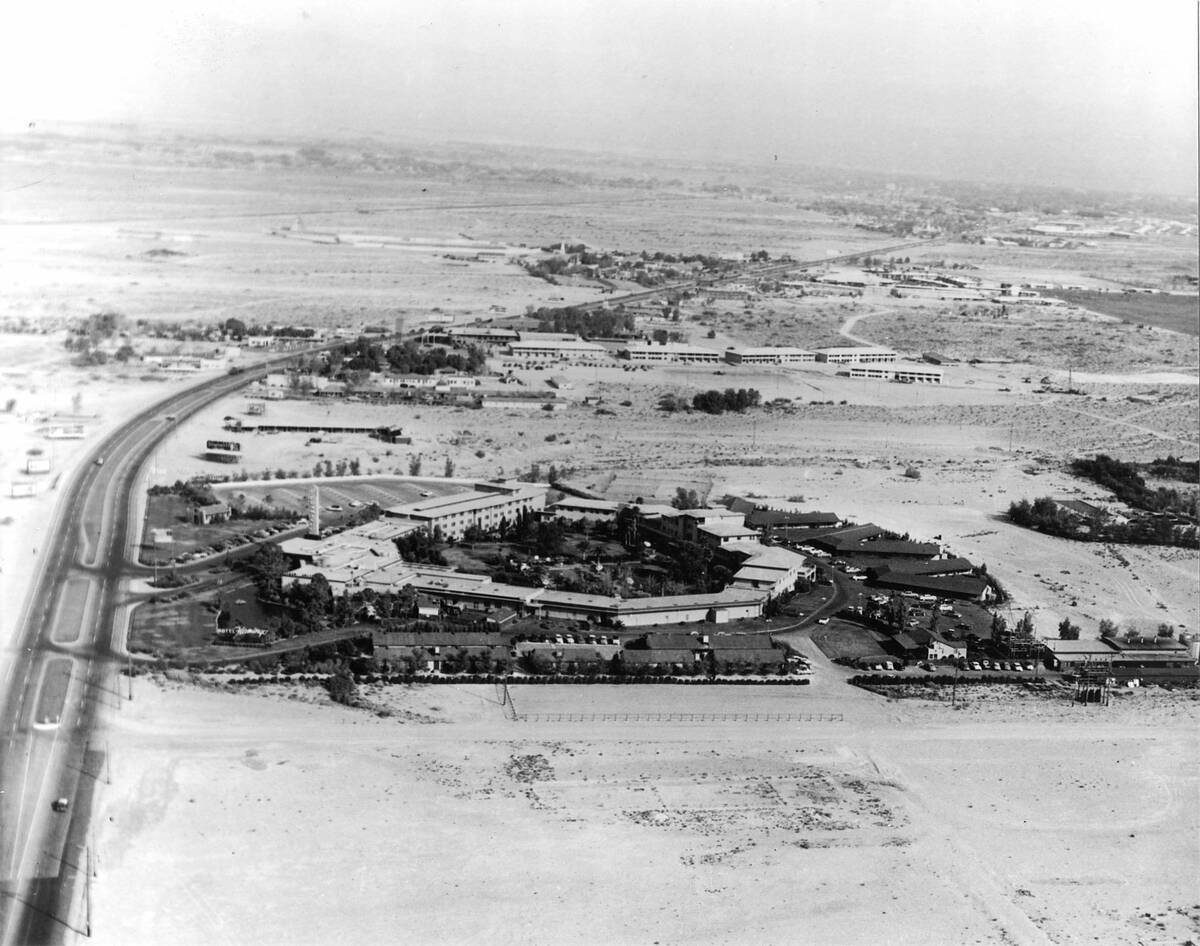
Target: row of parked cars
<point x="1011" y="666"/>
<point x="235" y="542"/>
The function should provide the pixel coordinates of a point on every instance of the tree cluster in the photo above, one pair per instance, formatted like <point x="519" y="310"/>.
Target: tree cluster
<point x="1127" y="483"/>
<point x="718" y="402"/>
<point x="1044" y="515"/>
<point x="586" y="323"/>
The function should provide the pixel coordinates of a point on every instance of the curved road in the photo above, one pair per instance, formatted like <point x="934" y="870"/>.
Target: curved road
<point x="66" y="669"/>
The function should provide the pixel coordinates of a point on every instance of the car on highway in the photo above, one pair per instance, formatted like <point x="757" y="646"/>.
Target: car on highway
<point x="99" y="461"/>
<point x="60" y="804"/>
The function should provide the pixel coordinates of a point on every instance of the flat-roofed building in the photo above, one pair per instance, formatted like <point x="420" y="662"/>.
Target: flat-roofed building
<point x="672" y="353"/>
<point x="717" y="608"/>
<point x="558" y="349"/>
<point x="523" y="402"/>
<point x="480" y="335"/>
<point x="574" y="507"/>
<point x="484" y="507"/>
<point x="872" y="373"/>
<point x="918" y="375"/>
<point x="722" y="532"/>
<point x="855" y="355"/>
<point x="769" y="356"/>
<point x="732" y="291"/>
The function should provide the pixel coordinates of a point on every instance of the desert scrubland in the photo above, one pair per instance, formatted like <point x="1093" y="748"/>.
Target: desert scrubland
<point x="266" y="817"/>
<point x="272" y="816"/>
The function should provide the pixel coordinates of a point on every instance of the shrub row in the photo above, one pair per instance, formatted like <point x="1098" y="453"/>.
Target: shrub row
<point x="492" y="678"/>
<point x="883" y="680"/>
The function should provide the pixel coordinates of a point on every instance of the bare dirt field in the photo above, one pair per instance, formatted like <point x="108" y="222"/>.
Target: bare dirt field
<point x="1050" y="336"/>
<point x="905" y="822"/>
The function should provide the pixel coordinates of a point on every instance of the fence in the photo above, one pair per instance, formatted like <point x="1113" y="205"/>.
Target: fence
<point x="677" y="717"/>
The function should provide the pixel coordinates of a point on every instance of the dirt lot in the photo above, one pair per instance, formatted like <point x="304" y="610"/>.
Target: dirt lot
<point x="1177" y="313"/>
<point x="906" y="822"/>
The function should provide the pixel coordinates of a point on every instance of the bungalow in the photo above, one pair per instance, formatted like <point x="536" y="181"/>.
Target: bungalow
<point x="938" y="647"/>
<point x="213" y="512"/>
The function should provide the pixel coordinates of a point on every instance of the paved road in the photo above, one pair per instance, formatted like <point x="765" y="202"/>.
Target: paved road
<point x="64" y="672"/>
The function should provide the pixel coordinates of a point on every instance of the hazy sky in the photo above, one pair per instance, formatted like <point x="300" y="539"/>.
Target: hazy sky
<point x="1089" y="94"/>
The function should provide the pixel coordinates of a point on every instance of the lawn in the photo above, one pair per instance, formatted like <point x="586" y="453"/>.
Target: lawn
<point x="840" y="639"/>
<point x="172" y="627"/>
<point x="174" y="513"/>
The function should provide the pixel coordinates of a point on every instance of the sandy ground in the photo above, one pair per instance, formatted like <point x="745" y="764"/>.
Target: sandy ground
<point x="906" y="822"/>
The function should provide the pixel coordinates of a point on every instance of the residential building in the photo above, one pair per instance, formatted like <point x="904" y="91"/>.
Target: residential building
<point x="769" y="356"/>
<point x="480" y="335"/>
<point x="557" y="349"/>
<point x="484" y="507"/>
<point x="855" y="355"/>
<point x="574" y="508"/>
<point x="672" y="353"/>
<point x="772" y="569"/>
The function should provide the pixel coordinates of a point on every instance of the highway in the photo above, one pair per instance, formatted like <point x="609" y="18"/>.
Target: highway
<point x="65" y="673"/>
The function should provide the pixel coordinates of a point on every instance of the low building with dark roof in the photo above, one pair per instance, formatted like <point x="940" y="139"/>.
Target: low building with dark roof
<point x="748" y="660"/>
<point x="938" y="566"/>
<point x="890" y="548"/>
<point x="1080" y="509"/>
<point x="661" y="658"/>
<point x="783" y="519"/>
<point x="962" y="587"/>
<point x="833" y="541"/>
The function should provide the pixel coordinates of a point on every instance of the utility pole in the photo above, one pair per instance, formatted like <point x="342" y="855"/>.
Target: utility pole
<point x="87" y="892"/>
<point x="129" y="673"/>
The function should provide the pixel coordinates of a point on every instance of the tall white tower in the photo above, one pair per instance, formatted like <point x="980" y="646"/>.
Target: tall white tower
<point x="314" y="513"/>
